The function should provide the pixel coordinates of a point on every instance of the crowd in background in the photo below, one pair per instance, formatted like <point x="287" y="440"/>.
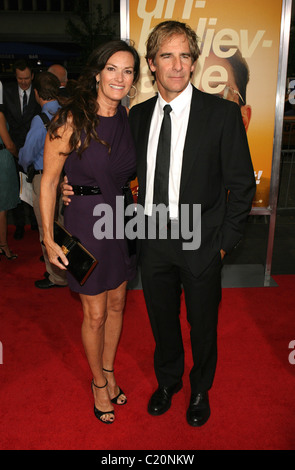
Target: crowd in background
<point x="22" y="137"/>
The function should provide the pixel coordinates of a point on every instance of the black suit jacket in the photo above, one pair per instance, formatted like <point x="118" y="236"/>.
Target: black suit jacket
<point x="217" y="172"/>
<point x="19" y="125"/>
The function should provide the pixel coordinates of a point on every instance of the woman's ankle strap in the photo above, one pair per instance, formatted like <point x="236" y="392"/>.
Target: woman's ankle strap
<point x="97" y="386"/>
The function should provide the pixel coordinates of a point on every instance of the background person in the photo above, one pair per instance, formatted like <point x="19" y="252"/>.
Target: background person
<point x="9" y="194"/>
<point x="19" y="108"/>
<point x="46" y="92"/>
<point x="62" y="74"/>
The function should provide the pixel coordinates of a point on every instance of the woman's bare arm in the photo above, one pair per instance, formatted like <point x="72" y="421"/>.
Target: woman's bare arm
<point x="52" y="167"/>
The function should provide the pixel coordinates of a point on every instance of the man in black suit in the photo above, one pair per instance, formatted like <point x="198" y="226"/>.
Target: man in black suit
<point x="210" y="168"/>
<point x="19" y="107"/>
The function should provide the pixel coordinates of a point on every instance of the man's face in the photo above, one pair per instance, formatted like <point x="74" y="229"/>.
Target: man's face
<point x="218" y="74"/>
<point x="24" y="78"/>
<point x="173" y="66"/>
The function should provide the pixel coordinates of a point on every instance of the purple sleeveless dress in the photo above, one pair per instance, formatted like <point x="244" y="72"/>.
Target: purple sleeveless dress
<point x="96" y="167"/>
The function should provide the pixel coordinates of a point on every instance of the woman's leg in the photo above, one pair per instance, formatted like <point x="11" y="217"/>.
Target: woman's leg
<point x="3" y="234"/>
<point x="113" y="327"/>
<point x="3" y="228"/>
<point x="101" y="330"/>
<point x="93" y="332"/>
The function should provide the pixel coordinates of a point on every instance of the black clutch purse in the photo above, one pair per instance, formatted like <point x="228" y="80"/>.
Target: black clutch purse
<point x="81" y="262"/>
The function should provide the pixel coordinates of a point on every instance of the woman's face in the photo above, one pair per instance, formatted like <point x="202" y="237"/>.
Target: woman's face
<point x="116" y="79"/>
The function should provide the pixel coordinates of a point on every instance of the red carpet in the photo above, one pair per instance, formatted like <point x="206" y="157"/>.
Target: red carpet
<point x="45" y="395"/>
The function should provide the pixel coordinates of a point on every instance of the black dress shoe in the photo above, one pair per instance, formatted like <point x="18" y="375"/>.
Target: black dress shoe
<point x="46" y="284"/>
<point x="199" y="409"/>
<point x="160" y="401"/>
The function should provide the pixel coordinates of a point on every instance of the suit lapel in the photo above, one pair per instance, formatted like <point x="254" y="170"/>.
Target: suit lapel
<point x="144" y="129"/>
<point x="195" y="134"/>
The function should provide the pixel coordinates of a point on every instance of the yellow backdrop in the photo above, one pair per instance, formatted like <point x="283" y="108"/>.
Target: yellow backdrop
<point x="252" y="26"/>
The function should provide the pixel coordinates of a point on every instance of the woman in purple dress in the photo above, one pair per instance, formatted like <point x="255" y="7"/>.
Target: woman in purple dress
<point x="91" y="140"/>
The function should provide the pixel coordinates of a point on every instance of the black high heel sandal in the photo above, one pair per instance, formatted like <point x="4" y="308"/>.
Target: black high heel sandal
<point x="114" y="400"/>
<point x="99" y="413"/>
<point x="2" y="252"/>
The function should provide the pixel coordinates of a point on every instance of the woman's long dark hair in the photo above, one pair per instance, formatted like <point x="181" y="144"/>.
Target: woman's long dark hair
<point x="82" y="104"/>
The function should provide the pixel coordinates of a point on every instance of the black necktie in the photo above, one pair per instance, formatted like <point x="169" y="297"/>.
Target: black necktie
<point x="25" y="101"/>
<point x="161" y="181"/>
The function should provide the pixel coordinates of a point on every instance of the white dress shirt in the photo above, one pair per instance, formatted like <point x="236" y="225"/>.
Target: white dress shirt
<point x="179" y="121"/>
<point x="21" y="96"/>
